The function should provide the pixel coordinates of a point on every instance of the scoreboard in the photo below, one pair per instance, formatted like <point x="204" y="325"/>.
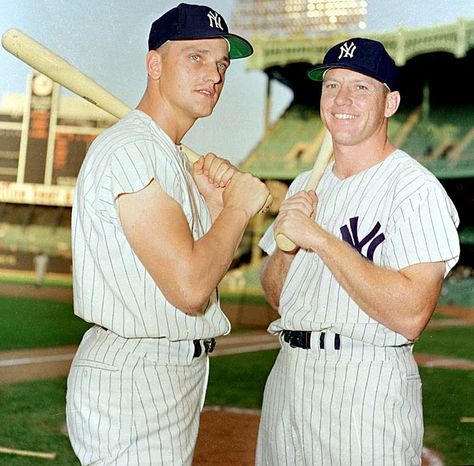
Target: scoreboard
<point x="41" y="151"/>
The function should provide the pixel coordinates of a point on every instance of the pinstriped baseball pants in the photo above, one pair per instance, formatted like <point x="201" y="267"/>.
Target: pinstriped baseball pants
<point x="134" y="401"/>
<point x="356" y="406"/>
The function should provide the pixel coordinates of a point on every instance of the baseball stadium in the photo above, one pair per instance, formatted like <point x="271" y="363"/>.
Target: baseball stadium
<point x="44" y="136"/>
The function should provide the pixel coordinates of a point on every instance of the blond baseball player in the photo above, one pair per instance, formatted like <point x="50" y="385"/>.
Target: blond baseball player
<point x="373" y="246"/>
<point x="152" y="237"/>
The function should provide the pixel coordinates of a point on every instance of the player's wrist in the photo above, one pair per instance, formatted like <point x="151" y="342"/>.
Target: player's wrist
<point x="319" y="239"/>
<point x="238" y="211"/>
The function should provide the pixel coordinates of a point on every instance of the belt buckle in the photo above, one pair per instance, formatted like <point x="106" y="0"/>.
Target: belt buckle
<point x="209" y="344"/>
<point x="294" y="340"/>
<point x="298" y="338"/>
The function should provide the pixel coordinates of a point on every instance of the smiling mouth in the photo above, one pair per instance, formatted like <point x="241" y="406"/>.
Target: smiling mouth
<point x="344" y="116"/>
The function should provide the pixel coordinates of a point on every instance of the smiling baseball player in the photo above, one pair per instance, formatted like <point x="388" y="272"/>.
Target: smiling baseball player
<point x="373" y="246"/>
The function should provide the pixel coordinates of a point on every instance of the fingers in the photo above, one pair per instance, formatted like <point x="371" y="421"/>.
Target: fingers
<point x="296" y="221"/>
<point x="304" y="201"/>
<point x="246" y="192"/>
<point x="243" y="190"/>
<point x="219" y="171"/>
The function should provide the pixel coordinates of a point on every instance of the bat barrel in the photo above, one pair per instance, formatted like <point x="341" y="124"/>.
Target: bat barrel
<point x="52" y="65"/>
<point x="322" y="160"/>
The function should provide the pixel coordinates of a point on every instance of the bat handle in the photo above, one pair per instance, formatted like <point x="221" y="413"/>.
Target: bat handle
<point x="190" y="154"/>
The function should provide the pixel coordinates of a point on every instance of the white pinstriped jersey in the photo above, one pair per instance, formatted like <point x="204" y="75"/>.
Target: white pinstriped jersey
<point x="111" y="286"/>
<point x="396" y="214"/>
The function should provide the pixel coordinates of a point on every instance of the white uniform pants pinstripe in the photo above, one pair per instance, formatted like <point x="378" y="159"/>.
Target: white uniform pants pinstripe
<point x="134" y="402"/>
<point x="356" y="406"/>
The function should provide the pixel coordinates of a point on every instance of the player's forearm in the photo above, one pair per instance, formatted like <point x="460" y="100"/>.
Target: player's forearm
<point x="273" y="274"/>
<point x="215" y="208"/>
<point x="388" y="296"/>
<point x="209" y="258"/>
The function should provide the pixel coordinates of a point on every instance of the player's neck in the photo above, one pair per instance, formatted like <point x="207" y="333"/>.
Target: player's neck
<point x="350" y="160"/>
<point x="165" y="116"/>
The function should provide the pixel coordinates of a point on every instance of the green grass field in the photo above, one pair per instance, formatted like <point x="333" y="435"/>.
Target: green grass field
<point x="32" y="413"/>
<point x="28" y="323"/>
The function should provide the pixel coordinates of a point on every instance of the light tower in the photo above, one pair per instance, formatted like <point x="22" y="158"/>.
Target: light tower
<point x="290" y="17"/>
<point x="271" y="21"/>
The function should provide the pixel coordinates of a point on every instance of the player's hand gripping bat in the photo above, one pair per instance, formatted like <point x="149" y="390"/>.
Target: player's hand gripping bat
<point x="58" y="69"/>
<point x="320" y="164"/>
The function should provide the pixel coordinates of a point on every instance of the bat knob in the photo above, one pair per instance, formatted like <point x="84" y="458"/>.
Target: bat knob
<point x="284" y="243"/>
<point x="267" y="204"/>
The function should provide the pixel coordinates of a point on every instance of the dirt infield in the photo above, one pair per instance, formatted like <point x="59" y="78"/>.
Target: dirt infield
<point x="227" y="437"/>
<point x="30" y="291"/>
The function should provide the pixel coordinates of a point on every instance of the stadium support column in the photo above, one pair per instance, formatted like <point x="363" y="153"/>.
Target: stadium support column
<point x="266" y="123"/>
<point x="257" y="225"/>
<point x="426" y="102"/>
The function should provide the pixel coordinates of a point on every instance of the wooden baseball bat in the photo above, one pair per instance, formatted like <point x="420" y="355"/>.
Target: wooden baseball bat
<point x="52" y="65"/>
<point x="67" y="75"/>
<point x="320" y="164"/>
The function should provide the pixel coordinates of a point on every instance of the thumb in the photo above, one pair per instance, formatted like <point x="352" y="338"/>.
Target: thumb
<point x="314" y="198"/>
<point x="198" y="165"/>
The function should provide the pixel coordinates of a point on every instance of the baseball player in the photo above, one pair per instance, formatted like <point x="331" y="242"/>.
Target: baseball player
<point x="373" y="246"/>
<point x="152" y="238"/>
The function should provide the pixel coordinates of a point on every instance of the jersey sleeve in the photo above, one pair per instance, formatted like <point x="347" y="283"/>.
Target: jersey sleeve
<point x="132" y="168"/>
<point x="423" y="229"/>
<point x="267" y="241"/>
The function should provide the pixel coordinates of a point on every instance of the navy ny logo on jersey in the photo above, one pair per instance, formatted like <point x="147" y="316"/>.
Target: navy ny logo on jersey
<point x="351" y="236"/>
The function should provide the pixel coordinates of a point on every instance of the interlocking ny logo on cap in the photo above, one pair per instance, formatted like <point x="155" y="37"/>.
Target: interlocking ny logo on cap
<point x="347" y="50"/>
<point x="214" y="20"/>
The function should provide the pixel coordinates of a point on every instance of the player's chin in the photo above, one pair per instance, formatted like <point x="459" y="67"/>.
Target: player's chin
<point x="204" y="112"/>
<point x="206" y="105"/>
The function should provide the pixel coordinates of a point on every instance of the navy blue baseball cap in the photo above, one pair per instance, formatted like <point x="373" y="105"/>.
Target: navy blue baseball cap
<point x="365" y="56"/>
<point x="187" y="22"/>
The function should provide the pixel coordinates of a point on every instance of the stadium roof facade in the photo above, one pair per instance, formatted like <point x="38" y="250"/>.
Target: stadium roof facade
<point x="402" y="44"/>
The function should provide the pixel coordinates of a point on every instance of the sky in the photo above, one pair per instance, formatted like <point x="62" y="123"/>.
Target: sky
<point x="107" y="40"/>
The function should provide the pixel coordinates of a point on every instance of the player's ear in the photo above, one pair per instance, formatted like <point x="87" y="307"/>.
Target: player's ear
<point x="153" y="64"/>
<point x="392" y="102"/>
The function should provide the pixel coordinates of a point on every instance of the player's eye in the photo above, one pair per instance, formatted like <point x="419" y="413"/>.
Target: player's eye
<point x="194" y="57"/>
<point x="222" y="66"/>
